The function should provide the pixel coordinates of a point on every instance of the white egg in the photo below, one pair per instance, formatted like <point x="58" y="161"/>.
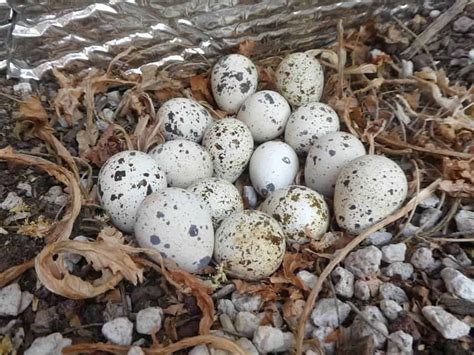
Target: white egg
<point x="265" y="113"/>
<point x="302" y="213"/>
<point x="300" y="78"/>
<point x="309" y="122"/>
<point x="329" y="154"/>
<point x="220" y="196"/>
<point x="184" y="162"/>
<point x="176" y="223"/>
<point x="273" y="165"/>
<point x="368" y="189"/>
<point x="249" y="245"/>
<point x="124" y="181"/>
<point x="183" y="118"/>
<point x="233" y="79"/>
<point x="230" y="144"/>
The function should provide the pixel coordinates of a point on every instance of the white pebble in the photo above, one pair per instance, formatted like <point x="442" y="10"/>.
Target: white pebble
<point x="330" y="312"/>
<point x="24" y="186"/>
<point x="226" y="306"/>
<point x="118" y="331"/>
<point x="246" y="323"/>
<point x="465" y="221"/>
<point x="373" y="313"/>
<point x="247" y="346"/>
<point x="400" y="343"/>
<point x="390" y="309"/>
<point x="389" y="291"/>
<point x="361" y="290"/>
<point x="471" y="56"/>
<point x="320" y="334"/>
<point x="423" y="259"/>
<point x="135" y="350"/>
<point x="429" y="217"/>
<point x="394" y="252"/>
<point x="11" y="201"/>
<point x="343" y="282"/>
<point x="430" y="202"/>
<point x="308" y="278"/>
<point x="448" y="325"/>
<point x="246" y="303"/>
<point x="364" y="262"/>
<point x="458" y="284"/>
<point x="10" y="300"/>
<point x="149" y="320"/>
<point x="360" y="329"/>
<point x="199" y="350"/>
<point x="56" y="195"/>
<point x="434" y="13"/>
<point x="379" y="238"/>
<point x="404" y="270"/>
<point x="52" y="344"/>
<point x="268" y="339"/>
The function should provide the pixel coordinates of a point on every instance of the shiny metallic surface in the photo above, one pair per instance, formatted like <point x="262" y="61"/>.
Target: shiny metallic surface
<point x="76" y="35"/>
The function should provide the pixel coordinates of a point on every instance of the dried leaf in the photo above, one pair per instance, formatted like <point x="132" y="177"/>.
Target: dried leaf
<point x="108" y="145"/>
<point x="268" y="292"/>
<point x="291" y="263"/>
<point x="267" y="78"/>
<point x="200" y="88"/>
<point x="175" y="309"/>
<point x="247" y="48"/>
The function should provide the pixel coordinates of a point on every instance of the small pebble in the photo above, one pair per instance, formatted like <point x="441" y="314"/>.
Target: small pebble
<point x="226" y="306"/>
<point x="10" y="300"/>
<point x="199" y="350"/>
<point x="246" y="303"/>
<point x="403" y="270"/>
<point x="360" y="329"/>
<point x="247" y="346"/>
<point x="26" y="299"/>
<point x="373" y="313"/>
<point x="135" y="350"/>
<point x="11" y="201"/>
<point x="56" y="195"/>
<point x="409" y="230"/>
<point x="448" y="325"/>
<point x="26" y="187"/>
<point x="308" y="278"/>
<point x="268" y="339"/>
<point x="458" y="284"/>
<point x="471" y="56"/>
<point x="434" y="13"/>
<point x="390" y="309"/>
<point x="423" y="259"/>
<point x="364" y="262"/>
<point x="389" y="291"/>
<point x="429" y="217"/>
<point x="400" y="343"/>
<point x="361" y="290"/>
<point x="463" y="24"/>
<point x="394" y="252"/>
<point x="23" y="89"/>
<point x="343" y="282"/>
<point x="465" y="221"/>
<point x="52" y="344"/>
<point x="431" y="201"/>
<point x="149" y="320"/>
<point x="330" y="312"/>
<point x="320" y="334"/>
<point x="246" y="323"/>
<point x="379" y="238"/>
<point x="118" y="331"/>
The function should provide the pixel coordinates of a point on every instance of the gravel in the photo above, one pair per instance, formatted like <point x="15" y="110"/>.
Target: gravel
<point x="330" y="312"/>
<point x="135" y="350"/>
<point x="308" y="278"/>
<point x="361" y="290"/>
<point x="246" y="323"/>
<point x="429" y="217"/>
<point x="10" y="300"/>
<point x="403" y="270"/>
<point x="465" y="221"/>
<point x="423" y="259"/>
<point x="463" y="24"/>
<point x="48" y="345"/>
<point x="389" y="291"/>
<point x="360" y="329"/>
<point x="118" y="331"/>
<point x="394" y="252"/>
<point x="448" y="325"/>
<point x="400" y="343"/>
<point x="431" y="201"/>
<point x="269" y="339"/>
<point x="364" y="262"/>
<point x="149" y="320"/>
<point x="248" y="346"/>
<point x="199" y="350"/>
<point x="320" y="334"/>
<point x="343" y="282"/>
<point x="11" y="201"/>
<point x="379" y="238"/>
<point x="226" y="306"/>
<point x="390" y="309"/>
<point x="246" y="303"/>
<point x="458" y="284"/>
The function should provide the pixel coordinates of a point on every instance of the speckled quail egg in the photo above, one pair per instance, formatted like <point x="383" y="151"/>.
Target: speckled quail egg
<point x="249" y="245"/>
<point x="184" y="162"/>
<point x="183" y="118"/>
<point x="124" y="181"/>
<point x="176" y="223"/>
<point x="302" y="213"/>
<point x="265" y="113"/>
<point x="327" y="157"/>
<point x="309" y="122"/>
<point x="273" y="165"/>
<point x="233" y="79"/>
<point x="300" y="78"/>
<point x="220" y="196"/>
<point x="230" y="144"/>
<point x="368" y="189"/>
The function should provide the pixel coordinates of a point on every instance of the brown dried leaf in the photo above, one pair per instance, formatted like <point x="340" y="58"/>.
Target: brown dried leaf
<point x="247" y="48"/>
<point x="268" y="292"/>
<point x="200" y="87"/>
<point x="267" y="78"/>
<point x="108" y="145"/>
<point x="291" y="263"/>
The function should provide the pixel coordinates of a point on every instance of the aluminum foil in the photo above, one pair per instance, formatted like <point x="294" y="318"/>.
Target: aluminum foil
<point x="75" y="35"/>
<point x="5" y="26"/>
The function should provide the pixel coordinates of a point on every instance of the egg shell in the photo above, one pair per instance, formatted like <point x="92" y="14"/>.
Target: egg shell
<point x="233" y="79"/>
<point x="183" y="118"/>
<point x="230" y="144"/>
<point x="265" y="113"/>
<point x="249" y="245"/>
<point x="220" y="196"/>
<point x="176" y="223"/>
<point x="124" y="181"/>
<point x="309" y="122"/>
<point x="273" y="165"/>
<point x="368" y="189"/>
<point x="184" y="162"/>
<point x="302" y="213"/>
<point x="300" y="78"/>
<point x="329" y="154"/>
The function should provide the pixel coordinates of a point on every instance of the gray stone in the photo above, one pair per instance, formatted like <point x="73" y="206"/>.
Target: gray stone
<point x="394" y="252"/>
<point x="431" y="201"/>
<point x="400" y="343"/>
<point x="390" y="309"/>
<point x="246" y="303"/>
<point x="343" y="282"/>
<point x="429" y="217"/>
<point x="330" y="312"/>
<point x="308" y="278"/>
<point x="118" y="331"/>
<point x="56" y="196"/>
<point x="409" y="230"/>
<point x="361" y="290"/>
<point x="44" y="320"/>
<point x="465" y="221"/>
<point x="364" y="262"/>
<point x="269" y="339"/>
<point x="448" y="325"/>
<point x="10" y="300"/>
<point x="458" y="284"/>
<point x="247" y="346"/>
<point x="149" y="320"/>
<point x="246" y="323"/>
<point x="26" y="299"/>
<point x="320" y="334"/>
<point x="463" y="24"/>
<point x="226" y="306"/>
<point x="373" y="313"/>
<point x="199" y="350"/>
<point x="135" y="350"/>
<point x="423" y="259"/>
<point x="52" y="344"/>
<point x="360" y="329"/>
<point x="403" y="270"/>
<point x="23" y="89"/>
<point x="11" y="201"/>
<point x="24" y="186"/>
<point x="389" y="291"/>
<point x="378" y="238"/>
<point x="227" y="323"/>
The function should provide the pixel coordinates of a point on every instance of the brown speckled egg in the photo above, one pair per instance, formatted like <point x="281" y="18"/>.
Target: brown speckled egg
<point x="176" y="223"/>
<point x="368" y="189"/>
<point x="249" y="245"/>
<point x="302" y="213"/>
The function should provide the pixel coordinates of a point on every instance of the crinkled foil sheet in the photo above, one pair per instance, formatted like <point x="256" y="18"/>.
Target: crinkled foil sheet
<point x="75" y="35"/>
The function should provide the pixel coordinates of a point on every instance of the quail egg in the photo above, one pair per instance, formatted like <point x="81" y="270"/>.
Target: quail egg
<point x="183" y="118"/>
<point x="233" y="79"/>
<point x="220" y="196"/>
<point x="230" y="144"/>
<point x="327" y="157"/>
<point x="309" y="122"/>
<point x="184" y="162"/>
<point x="124" y="181"/>
<point x="265" y="113"/>
<point x="176" y="223"/>
<point x="302" y="213"/>
<point x="368" y="189"/>
<point x="249" y="245"/>
<point x="273" y="165"/>
<point x="300" y="78"/>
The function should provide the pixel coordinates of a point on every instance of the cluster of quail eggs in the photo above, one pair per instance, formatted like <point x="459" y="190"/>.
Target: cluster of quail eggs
<point x="181" y="197"/>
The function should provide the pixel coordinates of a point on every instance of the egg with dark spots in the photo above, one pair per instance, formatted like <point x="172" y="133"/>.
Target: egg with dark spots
<point x="250" y="245"/>
<point x="309" y="122"/>
<point x="184" y="234"/>
<point x="302" y="213"/>
<point x="230" y="144"/>
<point x="273" y="165"/>
<point x="124" y="181"/>
<point x="183" y="118"/>
<point x="219" y="196"/>
<point x="368" y="189"/>
<point x="233" y="79"/>
<point x="328" y="155"/>
<point x="265" y="113"/>
<point x="300" y="78"/>
<point x="184" y="162"/>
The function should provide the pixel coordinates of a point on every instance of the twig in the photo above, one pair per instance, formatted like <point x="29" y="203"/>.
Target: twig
<point x="341" y="254"/>
<point x="429" y="34"/>
<point x="12" y="273"/>
<point x="454" y="240"/>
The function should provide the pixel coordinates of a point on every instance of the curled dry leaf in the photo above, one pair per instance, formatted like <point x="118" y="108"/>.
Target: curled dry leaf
<point x="247" y="48"/>
<point x="268" y="292"/>
<point x="459" y="177"/>
<point x="201" y="89"/>
<point x="291" y="263"/>
<point x="108" y="145"/>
